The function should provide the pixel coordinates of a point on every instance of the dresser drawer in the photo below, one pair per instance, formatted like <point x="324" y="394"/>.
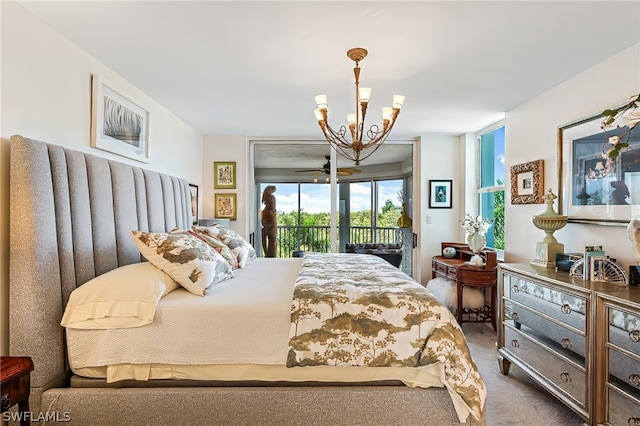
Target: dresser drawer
<point x="625" y="369"/>
<point x="562" y="374"/>
<point x="478" y="276"/>
<point x="622" y="411"/>
<point x="562" y="339"/>
<point x="624" y="330"/>
<point x="560" y="305"/>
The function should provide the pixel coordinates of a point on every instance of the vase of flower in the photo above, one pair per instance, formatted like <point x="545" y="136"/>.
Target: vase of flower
<point x="477" y="241"/>
<point x="475" y="228"/>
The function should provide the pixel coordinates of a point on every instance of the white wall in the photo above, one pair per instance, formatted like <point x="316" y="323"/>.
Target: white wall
<point x="46" y="92"/>
<point x="531" y="134"/>
<point x="226" y="148"/>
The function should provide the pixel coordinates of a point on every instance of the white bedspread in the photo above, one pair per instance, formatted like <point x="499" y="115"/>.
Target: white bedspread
<point x="245" y="319"/>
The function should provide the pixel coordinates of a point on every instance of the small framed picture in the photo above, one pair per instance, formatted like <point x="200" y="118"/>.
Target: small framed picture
<point x="527" y="183"/>
<point x="224" y="175"/>
<point x="440" y="194"/>
<point x="225" y="206"/>
<point x="194" y="203"/>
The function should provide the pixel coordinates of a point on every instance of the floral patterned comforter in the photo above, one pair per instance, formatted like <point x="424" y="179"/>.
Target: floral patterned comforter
<point x="358" y="310"/>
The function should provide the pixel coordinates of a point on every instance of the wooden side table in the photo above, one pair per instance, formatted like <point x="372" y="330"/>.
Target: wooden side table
<point x="15" y="385"/>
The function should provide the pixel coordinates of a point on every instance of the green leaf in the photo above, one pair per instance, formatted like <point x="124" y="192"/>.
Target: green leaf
<point x="609" y="112"/>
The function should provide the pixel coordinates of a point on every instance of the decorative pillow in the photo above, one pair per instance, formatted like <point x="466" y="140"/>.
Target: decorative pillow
<point x="185" y="258"/>
<point x="122" y="298"/>
<point x="238" y="245"/>
<point x="220" y="247"/>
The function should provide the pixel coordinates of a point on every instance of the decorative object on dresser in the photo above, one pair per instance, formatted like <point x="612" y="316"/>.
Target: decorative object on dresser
<point x="475" y="228"/>
<point x="527" y="183"/>
<point x="548" y="221"/>
<point x="554" y="327"/>
<point x="15" y="374"/>
<point x="449" y="252"/>
<point x="465" y="274"/>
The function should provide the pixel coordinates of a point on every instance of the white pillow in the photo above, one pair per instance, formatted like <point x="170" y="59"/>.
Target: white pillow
<point x="185" y="258"/>
<point x="122" y="298"/>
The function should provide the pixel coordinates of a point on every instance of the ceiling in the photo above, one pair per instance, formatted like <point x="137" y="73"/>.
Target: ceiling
<point x="253" y="68"/>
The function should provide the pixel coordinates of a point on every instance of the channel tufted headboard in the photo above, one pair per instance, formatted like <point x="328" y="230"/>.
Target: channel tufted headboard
<point x="71" y="214"/>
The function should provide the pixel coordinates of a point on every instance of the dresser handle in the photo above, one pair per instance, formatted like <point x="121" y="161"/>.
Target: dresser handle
<point x="5" y="402"/>
<point x="634" y="379"/>
<point x="515" y="288"/>
<point x="515" y="316"/>
<point x="565" y="377"/>
<point x="566" y="309"/>
<point x="515" y="343"/>
<point x="566" y="343"/>
<point x="634" y="335"/>
<point x="633" y="421"/>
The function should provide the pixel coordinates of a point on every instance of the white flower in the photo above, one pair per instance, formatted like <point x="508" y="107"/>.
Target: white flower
<point x="472" y="224"/>
<point x="631" y="117"/>
<point x="613" y="140"/>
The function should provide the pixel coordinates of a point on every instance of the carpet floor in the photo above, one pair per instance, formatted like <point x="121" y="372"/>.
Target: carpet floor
<point x="514" y="399"/>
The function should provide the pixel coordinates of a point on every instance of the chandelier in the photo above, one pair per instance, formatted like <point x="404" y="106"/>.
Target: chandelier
<point x="375" y="135"/>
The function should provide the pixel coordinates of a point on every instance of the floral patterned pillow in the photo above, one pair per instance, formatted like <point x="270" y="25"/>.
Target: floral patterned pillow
<point x="220" y="247"/>
<point x="187" y="259"/>
<point x="238" y="245"/>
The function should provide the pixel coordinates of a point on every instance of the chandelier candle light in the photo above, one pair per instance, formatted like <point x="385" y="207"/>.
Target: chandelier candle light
<point x="375" y="135"/>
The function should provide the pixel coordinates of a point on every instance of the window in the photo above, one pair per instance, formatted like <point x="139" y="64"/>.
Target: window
<point x="491" y="184"/>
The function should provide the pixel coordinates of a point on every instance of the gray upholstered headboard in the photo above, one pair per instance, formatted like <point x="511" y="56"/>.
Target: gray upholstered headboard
<point x="71" y="215"/>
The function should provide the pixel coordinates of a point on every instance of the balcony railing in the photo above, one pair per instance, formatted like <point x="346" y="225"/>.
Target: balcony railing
<point x="316" y="238"/>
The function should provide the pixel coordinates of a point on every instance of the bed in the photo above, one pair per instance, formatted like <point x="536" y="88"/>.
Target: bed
<point x="71" y="218"/>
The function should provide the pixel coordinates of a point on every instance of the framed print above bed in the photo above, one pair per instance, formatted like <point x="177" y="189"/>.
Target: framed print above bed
<point x="225" y="206"/>
<point x="224" y="175"/>
<point x="119" y="123"/>
<point x="594" y="188"/>
<point x="194" y="203"/>
<point x="527" y="182"/>
<point x="440" y="194"/>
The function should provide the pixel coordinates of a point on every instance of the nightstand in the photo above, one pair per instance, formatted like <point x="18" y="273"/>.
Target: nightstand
<point x="15" y="384"/>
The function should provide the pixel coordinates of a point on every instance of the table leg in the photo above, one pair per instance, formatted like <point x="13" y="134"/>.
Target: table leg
<point x="23" y="408"/>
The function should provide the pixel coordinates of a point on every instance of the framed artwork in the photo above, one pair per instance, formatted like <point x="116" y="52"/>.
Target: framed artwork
<point x="224" y="175"/>
<point x="119" y="123"/>
<point x="225" y="206"/>
<point x="440" y="194"/>
<point x="593" y="188"/>
<point x="527" y="183"/>
<point x="194" y="203"/>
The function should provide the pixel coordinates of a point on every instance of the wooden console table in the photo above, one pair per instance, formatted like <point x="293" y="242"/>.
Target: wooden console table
<point x="465" y="275"/>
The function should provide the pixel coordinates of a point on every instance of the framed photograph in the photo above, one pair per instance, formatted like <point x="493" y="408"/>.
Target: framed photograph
<point x="194" y="203"/>
<point x="593" y="188"/>
<point x="527" y="183"/>
<point x="225" y="206"/>
<point x="224" y="175"/>
<point x="440" y="194"/>
<point x="119" y="123"/>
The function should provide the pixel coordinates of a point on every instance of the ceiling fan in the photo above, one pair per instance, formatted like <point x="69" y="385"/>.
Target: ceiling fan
<point x="326" y="169"/>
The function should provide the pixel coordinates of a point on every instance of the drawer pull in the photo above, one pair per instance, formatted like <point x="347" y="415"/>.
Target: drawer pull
<point x="515" y="289"/>
<point x="5" y="402"/>
<point x="566" y="343"/>
<point x="515" y="316"/>
<point x="566" y="309"/>
<point x="565" y="377"/>
<point x="515" y="343"/>
<point x="634" y="335"/>
<point x="633" y="421"/>
<point x="634" y="379"/>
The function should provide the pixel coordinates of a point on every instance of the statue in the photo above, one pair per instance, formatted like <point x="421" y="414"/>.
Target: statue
<point x="269" y="222"/>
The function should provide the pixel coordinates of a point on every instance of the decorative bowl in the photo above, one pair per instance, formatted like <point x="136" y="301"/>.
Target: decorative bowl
<point x="449" y="252"/>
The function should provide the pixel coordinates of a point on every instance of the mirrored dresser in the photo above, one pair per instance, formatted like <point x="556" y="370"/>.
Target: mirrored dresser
<point x="578" y="339"/>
